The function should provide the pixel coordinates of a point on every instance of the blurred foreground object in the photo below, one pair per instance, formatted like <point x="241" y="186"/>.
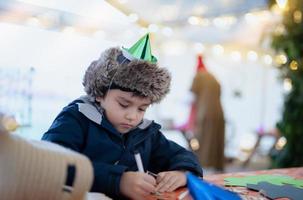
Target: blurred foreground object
<point x="32" y="170"/>
<point x="202" y="190"/>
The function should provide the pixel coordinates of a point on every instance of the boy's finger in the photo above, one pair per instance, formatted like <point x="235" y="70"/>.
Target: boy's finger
<point x="160" y="177"/>
<point x="148" y="188"/>
<point x="170" y="183"/>
<point x="174" y="186"/>
<point x="160" y="185"/>
<point x="162" y="182"/>
<point x="150" y="179"/>
<point x="165" y="183"/>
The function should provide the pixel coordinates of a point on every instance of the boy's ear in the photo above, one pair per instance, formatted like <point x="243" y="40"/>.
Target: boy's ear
<point x="99" y="99"/>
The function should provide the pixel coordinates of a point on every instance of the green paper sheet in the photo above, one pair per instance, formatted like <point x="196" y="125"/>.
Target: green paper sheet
<point x="273" y="179"/>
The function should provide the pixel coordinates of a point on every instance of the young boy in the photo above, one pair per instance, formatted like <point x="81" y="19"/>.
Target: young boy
<point x="108" y="126"/>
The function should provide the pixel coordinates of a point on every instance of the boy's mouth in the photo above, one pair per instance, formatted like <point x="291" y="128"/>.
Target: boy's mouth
<point x="128" y="126"/>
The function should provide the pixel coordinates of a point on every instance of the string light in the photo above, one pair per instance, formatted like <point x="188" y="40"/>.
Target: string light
<point x="287" y="84"/>
<point x="293" y="65"/>
<point x="199" y="47"/>
<point x="218" y="49"/>
<point x="297" y="16"/>
<point x="280" y="30"/>
<point x="252" y="56"/>
<point x="280" y="143"/>
<point x="281" y="59"/>
<point x="224" y="22"/>
<point x="267" y="59"/>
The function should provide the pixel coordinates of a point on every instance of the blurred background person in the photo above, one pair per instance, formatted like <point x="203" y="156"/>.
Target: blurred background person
<point x="209" y="119"/>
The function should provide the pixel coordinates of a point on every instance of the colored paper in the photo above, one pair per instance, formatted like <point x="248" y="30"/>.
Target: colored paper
<point x="202" y="190"/>
<point x="142" y="50"/>
<point x="277" y="191"/>
<point x="273" y="179"/>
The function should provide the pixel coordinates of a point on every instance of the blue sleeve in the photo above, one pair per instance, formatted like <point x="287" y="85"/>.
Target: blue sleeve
<point x="107" y="178"/>
<point x="68" y="130"/>
<point x="167" y="156"/>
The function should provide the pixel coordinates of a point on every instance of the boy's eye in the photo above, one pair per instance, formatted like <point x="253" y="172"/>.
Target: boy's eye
<point x="142" y="109"/>
<point x="123" y="105"/>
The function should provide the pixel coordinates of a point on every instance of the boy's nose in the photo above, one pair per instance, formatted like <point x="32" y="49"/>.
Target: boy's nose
<point x="131" y="116"/>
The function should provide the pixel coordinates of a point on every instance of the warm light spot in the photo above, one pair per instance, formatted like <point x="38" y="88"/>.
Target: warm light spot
<point x="281" y="143"/>
<point x="293" y="65"/>
<point x="280" y="30"/>
<point x="217" y="49"/>
<point x="236" y="56"/>
<point x="194" y="144"/>
<point x="252" y="56"/>
<point x="287" y="84"/>
<point x="297" y="16"/>
<point x="281" y="59"/>
<point x="199" y="47"/>
<point x="267" y="59"/>
<point x="224" y="22"/>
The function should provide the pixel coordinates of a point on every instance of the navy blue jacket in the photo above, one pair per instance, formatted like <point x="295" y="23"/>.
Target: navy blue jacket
<point x="81" y="126"/>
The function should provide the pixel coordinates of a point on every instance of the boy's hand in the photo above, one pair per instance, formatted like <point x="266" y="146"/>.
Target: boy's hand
<point x="170" y="180"/>
<point x="136" y="185"/>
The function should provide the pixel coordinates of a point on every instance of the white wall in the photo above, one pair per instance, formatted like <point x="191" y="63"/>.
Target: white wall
<point x="59" y="61"/>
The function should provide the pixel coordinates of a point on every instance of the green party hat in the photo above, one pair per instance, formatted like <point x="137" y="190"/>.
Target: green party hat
<point x="140" y="50"/>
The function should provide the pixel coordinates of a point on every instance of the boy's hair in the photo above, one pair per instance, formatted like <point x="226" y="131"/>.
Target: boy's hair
<point x="141" y="77"/>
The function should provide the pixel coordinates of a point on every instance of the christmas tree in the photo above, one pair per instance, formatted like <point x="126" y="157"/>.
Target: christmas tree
<point x="290" y="43"/>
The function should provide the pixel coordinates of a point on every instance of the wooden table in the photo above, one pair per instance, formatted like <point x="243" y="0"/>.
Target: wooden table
<point x="242" y="191"/>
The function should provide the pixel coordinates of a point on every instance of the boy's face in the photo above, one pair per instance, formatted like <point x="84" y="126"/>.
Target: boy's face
<point x="124" y="110"/>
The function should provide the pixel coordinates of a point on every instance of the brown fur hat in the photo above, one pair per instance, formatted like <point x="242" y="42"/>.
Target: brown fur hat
<point x="139" y="76"/>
